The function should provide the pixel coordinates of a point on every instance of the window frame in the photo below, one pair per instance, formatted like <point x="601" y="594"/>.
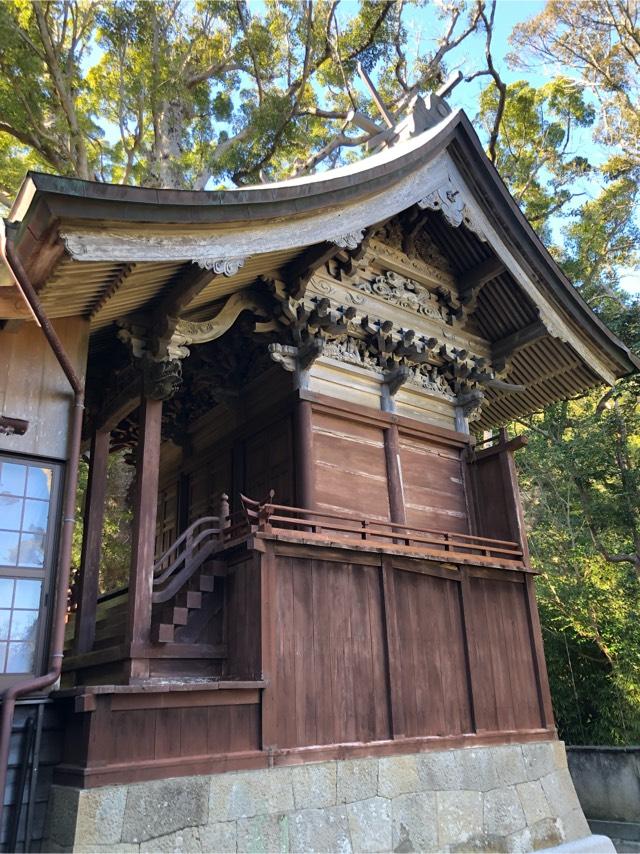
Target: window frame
<point x="48" y="571"/>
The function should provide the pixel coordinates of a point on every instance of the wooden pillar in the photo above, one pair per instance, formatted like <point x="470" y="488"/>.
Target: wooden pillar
<point x="304" y="455"/>
<point x="396" y="705"/>
<point x="144" y="533"/>
<point x="394" y="474"/>
<point x="85" y="628"/>
<point x="268" y="651"/>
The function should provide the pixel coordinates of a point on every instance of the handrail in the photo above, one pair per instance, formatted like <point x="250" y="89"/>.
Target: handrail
<point x="184" y="536"/>
<point x="161" y="575"/>
<point x="267" y="516"/>
<point x="185" y="556"/>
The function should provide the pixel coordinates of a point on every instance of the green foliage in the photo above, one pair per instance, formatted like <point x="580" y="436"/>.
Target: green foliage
<point x="580" y="477"/>
<point x="580" y="473"/>
<point x="186" y="93"/>
<point x="535" y="136"/>
<point x="116" y="531"/>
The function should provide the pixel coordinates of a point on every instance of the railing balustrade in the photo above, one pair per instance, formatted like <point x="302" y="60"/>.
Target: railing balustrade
<point x="268" y="517"/>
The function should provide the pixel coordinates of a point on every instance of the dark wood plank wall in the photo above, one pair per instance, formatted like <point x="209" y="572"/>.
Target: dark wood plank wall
<point x="433" y="661"/>
<point x="502" y="656"/>
<point x="371" y="647"/>
<point x="242" y="618"/>
<point x="268" y="462"/>
<point x="331" y="676"/>
<point x="350" y="468"/>
<point x="253" y="464"/>
<point x="432" y="484"/>
<point x="205" y="483"/>
<point x="494" y="498"/>
<point x="128" y="737"/>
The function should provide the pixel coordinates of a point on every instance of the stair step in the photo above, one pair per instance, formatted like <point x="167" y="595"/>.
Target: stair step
<point x="162" y="633"/>
<point x="191" y="599"/>
<point x="207" y="583"/>
<point x="175" y="615"/>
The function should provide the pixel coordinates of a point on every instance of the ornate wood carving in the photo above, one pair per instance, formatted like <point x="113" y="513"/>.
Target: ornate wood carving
<point x="220" y="266"/>
<point x="449" y="199"/>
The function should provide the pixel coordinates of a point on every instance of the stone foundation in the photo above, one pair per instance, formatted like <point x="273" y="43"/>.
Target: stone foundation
<point x="508" y="798"/>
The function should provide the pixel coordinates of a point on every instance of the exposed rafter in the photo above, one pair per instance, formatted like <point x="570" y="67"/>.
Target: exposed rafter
<point x="182" y="290"/>
<point x="505" y="348"/>
<point x="471" y="283"/>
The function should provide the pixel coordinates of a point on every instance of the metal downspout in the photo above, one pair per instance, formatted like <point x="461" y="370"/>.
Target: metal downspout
<point x="39" y="683"/>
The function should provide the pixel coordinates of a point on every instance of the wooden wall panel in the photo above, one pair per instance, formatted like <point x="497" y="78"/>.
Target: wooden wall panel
<point x="242" y="619"/>
<point x="494" y="499"/>
<point x="268" y="463"/>
<point x="331" y="674"/>
<point x="166" y="518"/>
<point x="206" y="483"/>
<point x="502" y="656"/>
<point x="33" y="386"/>
<point x="433" y="662"/>
<point x="432" y="485"/>
<point x="350" y="467"/>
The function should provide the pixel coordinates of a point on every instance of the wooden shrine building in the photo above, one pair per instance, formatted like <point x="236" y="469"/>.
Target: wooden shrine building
<point x="329" y="629"/>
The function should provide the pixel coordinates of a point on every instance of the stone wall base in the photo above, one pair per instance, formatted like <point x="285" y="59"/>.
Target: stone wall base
<point x="508" y="798"/>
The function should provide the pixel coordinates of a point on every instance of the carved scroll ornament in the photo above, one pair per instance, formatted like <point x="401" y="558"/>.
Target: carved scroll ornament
<point x="406" y="294"/>
<point x="351" y="240"/>
<point x="449" y="200"/>
<point x="220" y="266"/>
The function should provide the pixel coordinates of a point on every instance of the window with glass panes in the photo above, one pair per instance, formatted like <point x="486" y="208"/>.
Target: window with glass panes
<point x="27" y="517"/>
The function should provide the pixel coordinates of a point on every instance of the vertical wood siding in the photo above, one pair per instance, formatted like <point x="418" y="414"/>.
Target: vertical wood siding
<point x="433" y="663"/>
<point x="503" y="657"/>
<point x="332" y="684"/>
<point x="359" y="660"/>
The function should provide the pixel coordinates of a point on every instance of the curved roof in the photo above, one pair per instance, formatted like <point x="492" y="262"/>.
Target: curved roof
<point x="108" y="251"/>
<point x="302" y="211"/>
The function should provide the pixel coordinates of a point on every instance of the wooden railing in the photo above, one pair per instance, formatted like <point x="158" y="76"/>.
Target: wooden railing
<point x="268" y="517"/>
<point x="185" y="556"/>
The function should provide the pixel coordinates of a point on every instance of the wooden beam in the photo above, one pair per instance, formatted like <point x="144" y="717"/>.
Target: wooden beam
<point x="182" y="290"/>
<point x="112" y="287"/>
<point x="144" y="531"/>
<point x="298" y="272"/>
<point x="471" y="283"/>
<point x="392" y="641"/>
<point x="118" y="407"/>
<point x="85" y="627"/>
<point x="506" y="347"/>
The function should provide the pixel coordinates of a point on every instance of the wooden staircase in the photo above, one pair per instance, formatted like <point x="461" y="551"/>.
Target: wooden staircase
<point x="182" y="609"/>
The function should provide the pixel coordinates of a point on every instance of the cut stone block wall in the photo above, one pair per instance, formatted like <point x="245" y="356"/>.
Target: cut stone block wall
<point x="507" y="798"/>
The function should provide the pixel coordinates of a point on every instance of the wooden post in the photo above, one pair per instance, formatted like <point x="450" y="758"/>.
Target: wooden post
<point x="85" y="628"/>
<point x="144" y="532"/>
<point x="268" y="627"/>
<point x="472" y="651"/>
<point x="304" y="455"/>
<point x="396" y="706"/>
<point x="394" y="474"/>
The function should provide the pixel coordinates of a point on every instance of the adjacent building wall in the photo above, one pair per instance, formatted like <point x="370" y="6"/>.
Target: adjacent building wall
<point x="607" y="780"/>
<point x="33" y="386"/>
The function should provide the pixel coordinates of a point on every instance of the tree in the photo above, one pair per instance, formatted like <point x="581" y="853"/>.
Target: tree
<point x="599" y="40"/>
<point x="533" y="150"/>
<point x="580" y="473"/>
<point x="182" y="94"/>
